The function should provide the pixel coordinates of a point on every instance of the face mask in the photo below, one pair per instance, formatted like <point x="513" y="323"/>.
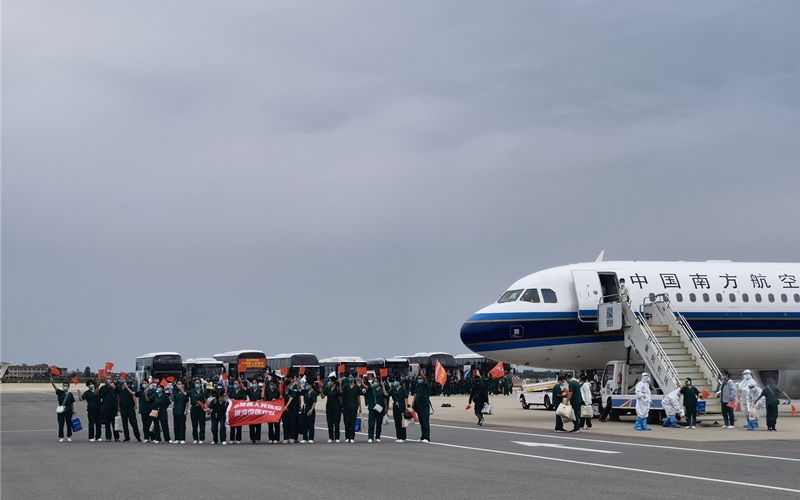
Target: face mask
<point x="180" y="387"/>
<point x="66" y="388"/>
<point x="305" y="387"/>
<point x="158" y="390"/>
<point x="375" y="384"/>
<point x="419" y="381"/>
<point x="260" y="384"/>
<point x="108" y="381"/>
<point x="196" y="386"/>
<point x="349" y="379"/>
<point x="236" y="386"/>
<point x="397" y="384"/>
<point x="272" y="386"/>
<point x="144" y="386"/>
<point x="688" y="384"/>
<point x="91" y="387"/>
<point x="330" y="384"/>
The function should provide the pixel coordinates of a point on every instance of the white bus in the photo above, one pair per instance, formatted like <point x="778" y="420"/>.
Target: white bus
<point x="248" y="364"/>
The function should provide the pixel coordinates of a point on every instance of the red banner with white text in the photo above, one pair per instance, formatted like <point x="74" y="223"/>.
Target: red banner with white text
<point x="253" y="412"/>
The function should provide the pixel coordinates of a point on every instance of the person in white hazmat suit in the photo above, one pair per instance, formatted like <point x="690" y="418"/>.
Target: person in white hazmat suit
<point x="748" y="394"/>
<point x="672" y="406"/>
<point x="643" y="400"/>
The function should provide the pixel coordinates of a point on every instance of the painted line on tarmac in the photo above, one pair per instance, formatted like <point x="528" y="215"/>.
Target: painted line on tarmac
<point x="749" y="455"/>
<point x="35" y="430"/>
<point x="617" y="467"/>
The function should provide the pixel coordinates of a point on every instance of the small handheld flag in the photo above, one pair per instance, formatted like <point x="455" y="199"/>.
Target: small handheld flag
<point x="497" y="371"/>
<point x="384" y="372"/>
<point x="794" y="411"/>
<point x="302" y="370"/>
<point x="284" y="370"/>
<point x="468" y="407"/>
<point x="362" y="370"/>
<point x="732" y="405"/>
<point x="170" y="379"/>
<point x="201" y="405"/>
<point x="439" y="374"/>
<point x="341" y="368"/>
<point x="101" y="373"/>
<point x="705" y="394"/>
<point x="54" y="370"/>
<point x="225" y="377"/>
<point x="109" y="366"/>
<point x="75" y="380"/>
<point x="164" y="382"/>
<point x="123" y="376"/>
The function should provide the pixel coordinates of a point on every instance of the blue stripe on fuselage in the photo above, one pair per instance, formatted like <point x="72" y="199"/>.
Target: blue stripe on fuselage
<point x="503" y="331"/>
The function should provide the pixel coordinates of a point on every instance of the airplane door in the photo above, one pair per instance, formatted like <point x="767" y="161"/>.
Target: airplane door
<point x="589" y="292"/>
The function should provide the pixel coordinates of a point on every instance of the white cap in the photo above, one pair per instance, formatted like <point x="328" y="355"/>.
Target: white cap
<point x="333" y="374"/>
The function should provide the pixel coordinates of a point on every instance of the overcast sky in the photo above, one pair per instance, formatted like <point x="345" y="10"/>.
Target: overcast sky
<point x="357" y="178"/>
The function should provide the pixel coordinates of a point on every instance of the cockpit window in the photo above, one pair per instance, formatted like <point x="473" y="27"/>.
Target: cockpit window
<point x="531" y="295"/>
<point x="510" y="296"/>
<point x="549" y="296"/>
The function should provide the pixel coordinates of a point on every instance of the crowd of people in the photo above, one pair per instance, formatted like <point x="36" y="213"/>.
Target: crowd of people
<point x="113" y="405"/>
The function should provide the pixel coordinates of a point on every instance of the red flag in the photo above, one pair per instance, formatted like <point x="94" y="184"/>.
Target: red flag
<point x="705" y="394"/>
<point x="75" y="380"/>
<point x="225" y="377"/>
<point x="101" y="373"/>
<point x="164" y="382"/>
<point x="123" y="376"/>
<point x="732" y="405"/>
<point x="54" y="370"/>
<point x="794" y="411"/>
<point x="284" y="370"/>
<point x="302" y="370"/>
<point x="362" y="370"/>
<point x="439" y="374"/>
<point x="201" y="405"/>
<point x="109" y="366"/>
<point x="497" y="371"/>
<point x="384" y="372"/>
<point x="170" y="379"/>
<point x="341" y="368"/>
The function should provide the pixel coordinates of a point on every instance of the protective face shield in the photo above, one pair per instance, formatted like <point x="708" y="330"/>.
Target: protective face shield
<point x="747" y="375"/>
<point x="645" y="377"/>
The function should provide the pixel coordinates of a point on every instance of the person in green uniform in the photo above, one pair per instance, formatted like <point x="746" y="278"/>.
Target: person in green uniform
<point x="179" y="409"/>
<point x="144" y="410"/>
<point x="333" y="407"/>
<point x="422" y="405"/>
<point x="237" y="393"/>
<point x="160" y="402"/>
<point x="399" y="398"/>
<point x="351" y="406"/>
<point x="217" y="406"/>
<point x="375" y="396"/>
<point x="93" y="410"/>
<point x="575" y="400"/>
<point x="309" y="413"/>
<point x="197" y="396"/>
<point x="480" y="396"/>
<point x="290" y="410"/>
<point x="770" y="394"/>
<point x="556" y="400"/>
<point x="271" y="394"/>
<point x="690" y="396"/>
<point x="110" y="404"/>
<point x="66" y="401"/>
<point x="127" y="410"/>
<point x="255" y="393"/>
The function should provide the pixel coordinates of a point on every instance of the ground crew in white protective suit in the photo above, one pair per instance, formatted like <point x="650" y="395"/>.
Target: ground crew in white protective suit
<point x="672" y="406"/>
<point x="748" y="393"/>
<point x="643" y="400"/>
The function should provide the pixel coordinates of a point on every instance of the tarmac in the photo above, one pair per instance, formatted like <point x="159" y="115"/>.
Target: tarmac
<point x="515" y="454"/>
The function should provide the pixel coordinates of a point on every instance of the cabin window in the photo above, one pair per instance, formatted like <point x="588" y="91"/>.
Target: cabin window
<point x="531" y="295"/>
<point x="758" y="297"/>
<point x="510" y="296"/>
<point x="745" y="298"/>
<point x="679" y="297"/>
<point x="771" y="297"/>
<point x="797" y="297"/>
<point x="653" y="297"/>
<point x="719" y="297"/>
<point x="692" y="297"/>
<point x="705" y="297"/>
<point x="549" y="296"/>
<point x="732" y="297"/>
<point x="784" y="298"/>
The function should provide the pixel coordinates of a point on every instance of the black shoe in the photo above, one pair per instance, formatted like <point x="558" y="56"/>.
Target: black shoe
<point x="126" y="440"/>
<point x="138" y="439"/>
<point x="116" y="440"/>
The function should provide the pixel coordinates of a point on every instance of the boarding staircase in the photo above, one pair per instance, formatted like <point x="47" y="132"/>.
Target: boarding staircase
<point x="670" y="348"/>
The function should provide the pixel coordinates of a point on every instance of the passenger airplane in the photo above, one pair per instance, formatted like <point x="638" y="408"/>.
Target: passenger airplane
<point x="746" y="314"/>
